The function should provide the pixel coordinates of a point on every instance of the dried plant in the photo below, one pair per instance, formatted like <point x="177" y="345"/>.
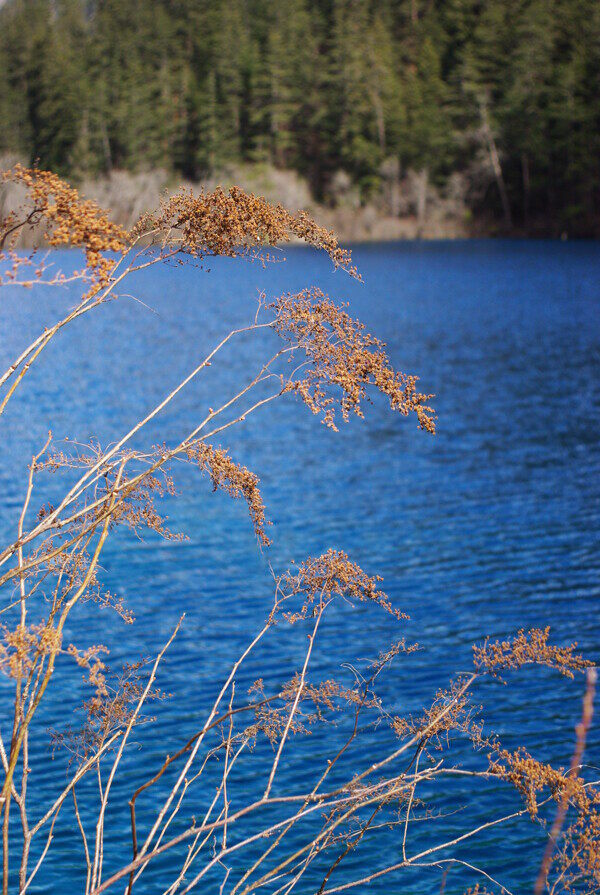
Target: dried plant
<point x="528" y="648"/>
<point x="381" y="769"/>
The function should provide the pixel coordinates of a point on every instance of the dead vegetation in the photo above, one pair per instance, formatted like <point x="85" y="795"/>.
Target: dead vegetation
<point x="381" y="768"/>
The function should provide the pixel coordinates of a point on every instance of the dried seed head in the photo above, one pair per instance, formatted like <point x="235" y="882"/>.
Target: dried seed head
<point x="22" y="646"/>
<point x="527" y="648"/>
<point x="69" y="220"/>
<point x="343" y="360"/>
<point x="321" y="579"/>
<point x="231" y="222"/>
<point x="235" y="479"/>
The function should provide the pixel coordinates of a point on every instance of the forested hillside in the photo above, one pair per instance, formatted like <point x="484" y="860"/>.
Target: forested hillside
<point x="502" y="94"/>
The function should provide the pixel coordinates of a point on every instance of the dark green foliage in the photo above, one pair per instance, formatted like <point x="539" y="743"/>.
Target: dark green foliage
<point x="507" y="92"/>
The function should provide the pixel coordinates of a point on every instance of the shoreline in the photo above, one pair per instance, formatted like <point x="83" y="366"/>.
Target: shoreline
<point x="438" y="216"/>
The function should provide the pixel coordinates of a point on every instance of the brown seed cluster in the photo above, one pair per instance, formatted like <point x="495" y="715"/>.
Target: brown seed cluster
<point x="93" y="665"/>
<point x="234" y="479"/>
<point x="22" y="646"/>
<point x="105" y="599"/>
<point x="329" y="576"/>
<point x="578" y="857"/>
<point x="137" y="492"/>
<point x="385" y="656"/>
<point x="137" y="506"/>
<point x="68" y="219"/>
<point x="339" y="364"/>
<point x="218" y="222"/>
<point x="342" y="361"/>
<point x="326" y="695"/>
<point x="229" y="222"/>
<point x="135" y="496"/>
<point x="450" y="710"/>
<point x="111" y="707"/>
<point x="528" y="647"/>
<point x="529" y="776"/>
<point x="316" y="703"/>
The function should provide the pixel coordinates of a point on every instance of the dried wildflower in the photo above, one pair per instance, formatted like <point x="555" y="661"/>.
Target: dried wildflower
<point x="229" y="222"/>
<point x="327" y="694"/>
<point x="391" y="795"/>
<point x="71" y="569"/>
<point x="270" y="718"/>
<point x="107" y="600"/>
<point x="110" y="709"/>
<point x="137" y="508"/>
<point x="44" y="511"/>
<point x="528" y="647"/>
<point x="450" y="710"/>
<point x="386" y="655"/>
<point x="22" y="646"/>
<point x="316" y="702"/>
<point x="68" y="220"/>
<point x="235" y="479"/>
<point x="137" y="494"/>
<point x="90" y="661"/>
<point x="342" y="361"/>
<point x="531" y="777"/>
<point x="339" y="363"/>
<point x="578" y="859"/>
<point x="321" y="579"/>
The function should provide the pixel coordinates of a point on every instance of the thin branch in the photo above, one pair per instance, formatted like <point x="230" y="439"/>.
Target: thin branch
<point x="587" y="713"/>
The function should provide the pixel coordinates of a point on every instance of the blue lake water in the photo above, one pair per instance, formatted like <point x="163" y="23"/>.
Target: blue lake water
<point x="491" y="525"/>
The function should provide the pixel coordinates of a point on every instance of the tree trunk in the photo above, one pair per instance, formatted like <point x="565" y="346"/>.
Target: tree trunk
<point x="526" y="189"/>
<point x="414" y="13"/>
<point x="422" y="184"/>
<point x="495" y="162"/>
<point x="108" y="162"/>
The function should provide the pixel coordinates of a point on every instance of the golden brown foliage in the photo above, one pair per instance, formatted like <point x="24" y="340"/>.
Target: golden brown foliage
<point x="58" y="559"/>
<point x="91" y="662"/>
<point x="451" y="710"/>
<point x="343" y="358"/>
<point x="137" y="508"/>
<point x="386" y="655"/>
<point x="235" y="479"/>
<point x="531" y="777"/>
<point x="579" y="856"/>
<point x="111" y="707"/>
<point x="316" y="703"/>
<point x="67" y="219"/>
<point x="526" y="648"/>
<point x="324" y="578"/>
<point x="230" y="222"/>
<point x="22" y="646"/>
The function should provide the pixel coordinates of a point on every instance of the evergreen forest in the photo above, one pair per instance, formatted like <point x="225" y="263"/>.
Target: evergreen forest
<point x="504" y="93"/>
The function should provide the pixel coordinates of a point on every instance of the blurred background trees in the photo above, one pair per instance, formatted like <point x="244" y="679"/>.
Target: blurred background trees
<point x="505" y="93"/>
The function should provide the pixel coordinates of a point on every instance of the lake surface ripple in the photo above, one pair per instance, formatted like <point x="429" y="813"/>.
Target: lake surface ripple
<point x="491" y="525"/>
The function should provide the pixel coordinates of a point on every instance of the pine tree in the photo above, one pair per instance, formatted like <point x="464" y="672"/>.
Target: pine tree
<point x="505" y="91"/>
<point x="525" y="104"/>
<point x="56" y="88"/>
<point x="365" y="96"/>
<point x="428" y="138"/>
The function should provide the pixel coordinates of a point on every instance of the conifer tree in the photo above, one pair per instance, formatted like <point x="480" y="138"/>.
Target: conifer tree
<point x="505" y="91"/>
